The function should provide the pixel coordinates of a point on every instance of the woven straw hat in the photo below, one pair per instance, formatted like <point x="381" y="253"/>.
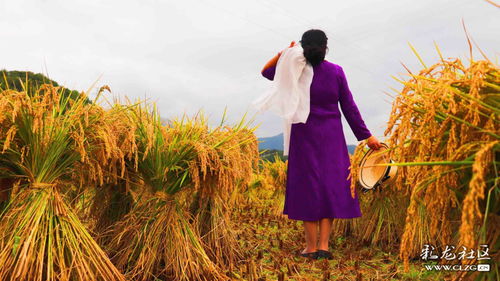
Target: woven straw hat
<point x="372" y="177"/>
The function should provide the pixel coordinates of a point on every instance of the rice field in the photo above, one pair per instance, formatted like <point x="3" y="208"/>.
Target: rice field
<point x="105" y="190"/>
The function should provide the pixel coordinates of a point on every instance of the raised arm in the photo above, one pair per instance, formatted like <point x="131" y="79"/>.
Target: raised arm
<point x="350" y="109"/>
<point x="270" y="68"/>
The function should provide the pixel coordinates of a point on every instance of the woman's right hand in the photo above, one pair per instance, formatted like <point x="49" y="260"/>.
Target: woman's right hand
<point x="274" y="60"/>
<point x="373" y="143"/>
<point x="291" y="45"/>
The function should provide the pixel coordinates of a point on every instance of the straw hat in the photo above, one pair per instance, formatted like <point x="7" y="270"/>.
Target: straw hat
<point x="372" y="177"/>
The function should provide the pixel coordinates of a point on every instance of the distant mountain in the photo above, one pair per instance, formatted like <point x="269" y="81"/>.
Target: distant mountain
<point x="21" y="80"/>
<point x="276" y="143"/>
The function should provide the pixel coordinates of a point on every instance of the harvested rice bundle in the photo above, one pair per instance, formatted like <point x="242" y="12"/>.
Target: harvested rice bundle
<point x="178" y="163"/>
<point x="383" y="218"/>
<point x="384" y="210"/>
<point x="115" y="179"/>
<point x="445" y="130"/>
<point x="274" y="174"/>
<point x="155" y="239"/>
<point x="43" y="139"/>
<point x="226" y="159"/>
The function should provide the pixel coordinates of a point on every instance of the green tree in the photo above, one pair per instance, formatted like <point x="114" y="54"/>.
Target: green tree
<point x="16" y="79"/>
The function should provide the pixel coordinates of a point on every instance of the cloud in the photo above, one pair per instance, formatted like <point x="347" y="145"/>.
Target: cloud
<point x="204" y="54"/>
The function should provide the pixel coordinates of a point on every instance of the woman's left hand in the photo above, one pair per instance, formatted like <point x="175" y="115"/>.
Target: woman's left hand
<point x="373" y="143"/>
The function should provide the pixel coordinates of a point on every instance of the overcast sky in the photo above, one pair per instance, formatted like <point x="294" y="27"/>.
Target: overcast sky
<point x="205" y="54"/>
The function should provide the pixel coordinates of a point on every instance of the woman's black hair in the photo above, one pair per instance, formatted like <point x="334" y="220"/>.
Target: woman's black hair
<point x="314" y="43"/>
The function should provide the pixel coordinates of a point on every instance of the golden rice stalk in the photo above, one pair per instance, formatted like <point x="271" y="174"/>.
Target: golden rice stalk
<point x="42" y="239"/>
<point x="225" y="158"/>
<point x="156" y="241"/>
<point x="109" y="138"/>
<point x="250" y="192"/>
<point x="383" y="210"/>
<point x="111" y="168"/>
<point x="40" y="155"/>
<point x="212" y="220"/>
<point x="182" y="160"/>
<point x="274" y="175"/>
<point x="104" y="206"/>
<point x="471" y="215"/>
<point x="442" y="118"/>
<point x="383" y="217"/>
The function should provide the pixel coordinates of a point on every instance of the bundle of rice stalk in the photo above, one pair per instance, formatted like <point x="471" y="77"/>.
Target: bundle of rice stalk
<point x="274" y="174"/>
<point x="112" y="168"/>
<point x="384" y="210"/>
<point x="41" y="238"/>
<point x="383" y="217"/>
<point x="226" y="159"/>
<point x="445" y="134"/>
<point x="155" y="239"/>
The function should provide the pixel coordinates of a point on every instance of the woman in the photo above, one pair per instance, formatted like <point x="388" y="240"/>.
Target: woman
<point x="317" y="189"/>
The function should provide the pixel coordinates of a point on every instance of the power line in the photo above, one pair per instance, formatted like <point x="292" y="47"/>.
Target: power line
<point x="309" y="22"/>
<point x="245" y="19"/>
<point x="434" y="11"/>
<point x="281" y="34"/>
<point x="291" y="16"/>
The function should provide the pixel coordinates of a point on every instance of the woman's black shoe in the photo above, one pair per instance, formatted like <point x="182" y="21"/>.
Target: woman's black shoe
<point x="323" y="254"/>
<point x="311" y="255"/>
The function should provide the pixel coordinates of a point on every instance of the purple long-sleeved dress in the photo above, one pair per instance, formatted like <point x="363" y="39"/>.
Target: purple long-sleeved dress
<point x="318" y="160"/>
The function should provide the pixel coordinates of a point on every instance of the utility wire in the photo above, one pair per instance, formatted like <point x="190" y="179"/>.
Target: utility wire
<point x="342" y="40"/>
<point x="308" y="22"/>
<point x="216" y="7"/>
<point x="281" y="34"/>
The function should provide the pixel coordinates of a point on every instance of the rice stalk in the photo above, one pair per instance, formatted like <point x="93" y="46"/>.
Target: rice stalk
<point x="444" y="130"/>
<point x="274" y="178"/>
<point x="226" y="158"/>
<point x="41" y="237"/>
<point x="156" y="240"/>
<point x="180" y="161"/>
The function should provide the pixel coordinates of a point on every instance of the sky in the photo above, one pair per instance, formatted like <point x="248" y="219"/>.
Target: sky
<point x="207" y="55"/>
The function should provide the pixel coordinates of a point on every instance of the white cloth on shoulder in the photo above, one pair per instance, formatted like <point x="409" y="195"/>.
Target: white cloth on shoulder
<point x="289" y="95"/>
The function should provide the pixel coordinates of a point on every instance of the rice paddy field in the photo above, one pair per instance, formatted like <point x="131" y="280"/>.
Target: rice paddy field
<point x="105" y="190"/>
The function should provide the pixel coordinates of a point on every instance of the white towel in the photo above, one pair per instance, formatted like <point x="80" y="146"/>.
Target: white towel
<point x="289" y="95"/>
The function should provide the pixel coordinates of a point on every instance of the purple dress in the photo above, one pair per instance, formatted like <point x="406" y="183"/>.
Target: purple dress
<point x="318" y="160"/>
